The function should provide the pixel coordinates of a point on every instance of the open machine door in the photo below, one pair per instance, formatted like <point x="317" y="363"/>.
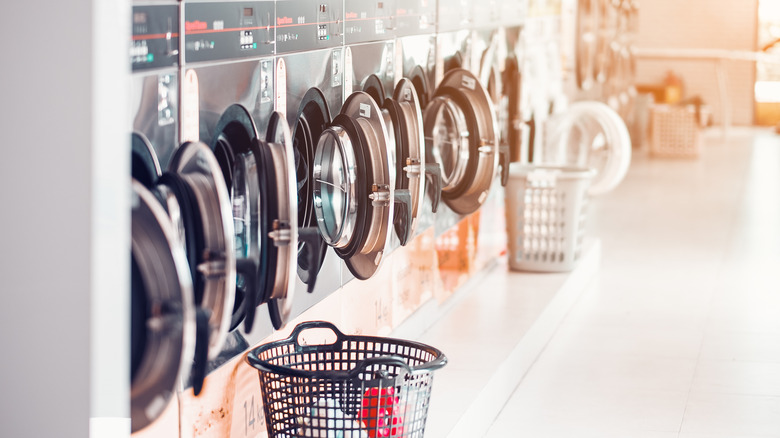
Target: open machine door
<point x="312" y="119"/>
<point x="492" y="66"/>
<point x="194" y="194"/>
<point x="354" y="187"/>
<point x="592" y="135"/>
<point x="419" y="81"/>
<point x="462" y="135"/>
<point x="163" y="311"/>
<point x="260" y="174"/>
<point x="402" y="115"/>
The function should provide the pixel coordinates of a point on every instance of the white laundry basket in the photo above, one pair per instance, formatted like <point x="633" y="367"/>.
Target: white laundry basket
<point x="546" y="209"/>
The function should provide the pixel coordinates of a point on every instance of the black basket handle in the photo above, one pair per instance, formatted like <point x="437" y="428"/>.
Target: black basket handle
<point x="393" y="360"/>
<point x="433" y="175"/>
<point x="308" y="325"/>
<point x="352" y="399"/>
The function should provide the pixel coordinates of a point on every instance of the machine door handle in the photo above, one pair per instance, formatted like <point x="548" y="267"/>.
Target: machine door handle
<point x="198" y="374"/>
<point x="433" y="176"/>
<point x="311" y="235"/>
<point x="503" y="161"/>
<point x="403" y="215"/>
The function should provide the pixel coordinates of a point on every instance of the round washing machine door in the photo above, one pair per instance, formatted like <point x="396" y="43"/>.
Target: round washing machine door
<point x="264" y="212"/>
<point x="162" y="312"/>
<point x="145" y="164"/>
<point x="591" y="134"/>
<point x="402" y="115"/>
<point x="312" y="119"/>
<point x="491" y="77"/>
<point x="354" y="185"/>
<point x="462" y="135"/>
<point x="419" y="79"/>
<point x="412" y="165"/>
<point x="513" y="89"/>
<point x="196" y="182"/>
<point x="285" y="230"/>
<point x="232" y="143"/>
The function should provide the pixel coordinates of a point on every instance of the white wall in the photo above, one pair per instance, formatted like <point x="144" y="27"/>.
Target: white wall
<point x="705" y="24"/>
<point x="64" y="225"/>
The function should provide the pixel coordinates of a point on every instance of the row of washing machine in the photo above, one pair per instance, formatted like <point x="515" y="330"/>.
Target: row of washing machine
<point x="284" y="148"/>
<point x="606" y="32"/>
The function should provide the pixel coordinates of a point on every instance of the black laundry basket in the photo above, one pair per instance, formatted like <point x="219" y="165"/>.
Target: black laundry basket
<point x="357" y="387"/>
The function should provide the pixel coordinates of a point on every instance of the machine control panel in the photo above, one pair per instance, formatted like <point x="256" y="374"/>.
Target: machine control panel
<point x="415" y="17"/>
<point x="155" y="37"/>
<point x="233" y="30"/>
<point x="366" y="21"/>
<point x="308" y="25"/>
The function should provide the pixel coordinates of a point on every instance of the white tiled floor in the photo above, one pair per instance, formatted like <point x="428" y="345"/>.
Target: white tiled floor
<point x="680" y="337"/>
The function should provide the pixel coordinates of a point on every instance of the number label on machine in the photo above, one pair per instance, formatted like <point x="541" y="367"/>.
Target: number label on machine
<point x="190" y="108"/>
<point x="281" y="87"/>
<point x="253" y="417"/>
<point x="365" y="110"/>
<point x="348" y="82"/>
<point x="248" y="418"/>
<point x="469" y="82"/>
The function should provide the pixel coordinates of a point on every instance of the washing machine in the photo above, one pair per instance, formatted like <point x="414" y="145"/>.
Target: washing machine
<point x="229" y="99"/>
<point x="460" y="124"/>
<point x="515" y="129"/>
<point x="154" y="57"/>
<point x="183" y="279"/>
<point x="490" y="55"/>
<point x="415" y="60"/>
<point x="160" y="274"/>
<point x="415" y="31"/>
<point x="370" y="66"/>
<point x="603" y="47"/>
<point x="310" y="79"/>
<point x="179" y="214"/>
<point x="158" y="359"/>
<point x="344" y="145"/>
<point x="540" y="61"/>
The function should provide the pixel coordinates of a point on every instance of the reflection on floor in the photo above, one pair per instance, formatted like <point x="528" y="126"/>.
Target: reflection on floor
<point x="680" y="335"/>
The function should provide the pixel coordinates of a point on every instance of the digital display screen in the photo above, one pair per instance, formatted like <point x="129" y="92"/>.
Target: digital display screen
<point x="248" y="12"/>
<point x="139" y="17"/>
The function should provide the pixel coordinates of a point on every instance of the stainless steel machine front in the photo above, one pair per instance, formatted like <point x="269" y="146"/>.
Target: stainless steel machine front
<point x="283" y="148"/>
<point x="310" y="89"/>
